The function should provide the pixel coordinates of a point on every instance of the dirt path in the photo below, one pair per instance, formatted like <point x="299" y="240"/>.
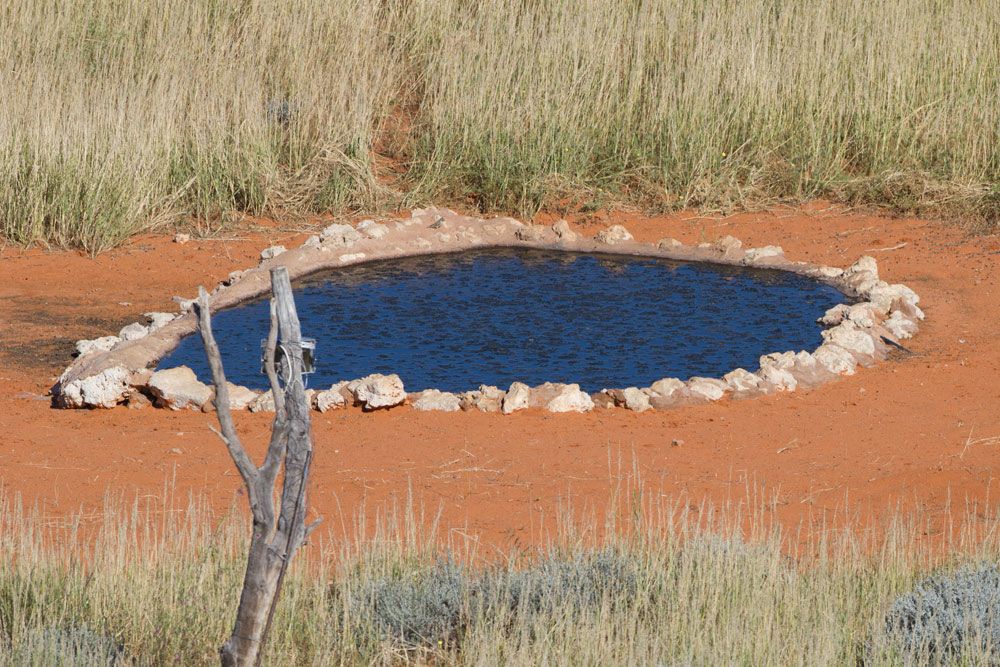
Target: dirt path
<point x="922" y="430"/>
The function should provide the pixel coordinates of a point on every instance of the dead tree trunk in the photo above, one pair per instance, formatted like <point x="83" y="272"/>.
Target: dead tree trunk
<point x="276" y="535"/>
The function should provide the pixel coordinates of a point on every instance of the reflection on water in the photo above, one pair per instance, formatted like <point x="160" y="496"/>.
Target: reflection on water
<point x="459" y="320"/>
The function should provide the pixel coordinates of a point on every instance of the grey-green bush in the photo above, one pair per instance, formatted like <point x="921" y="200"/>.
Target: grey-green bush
<point x="946" y="616"/>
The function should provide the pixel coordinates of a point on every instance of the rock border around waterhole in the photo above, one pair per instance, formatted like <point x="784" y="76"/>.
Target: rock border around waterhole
<point x="116" y="370"/>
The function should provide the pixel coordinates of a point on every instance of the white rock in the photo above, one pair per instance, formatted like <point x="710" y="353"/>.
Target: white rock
<point x="339" y="236"/>
<point x="562" y="230"/>
<point x="666" y="244"/>
<point x="835" y="359"/>
<point x="262" y="403"/>
<point x="613" y="235"/>
<point x="239" y="396"/>
<point x="432" y="399"/>
<point x="667" y="386"/>
<point x="728" y="245"/>
<point x="782" y="360"/>
<point x="102" y="344"/>
<point x="133" y="331"/>
<point x="364" y="224"/>
<point x="901" y="326"/>
<point x="636" y="400"/>
<point x="571" y="399"/>
<point x="517" y="398"/>
<point x="185" y="304"/>
<point x="709" y="388"/>
<point x="159" y="320"/>
<point x="741" y="380"/>
<point x="826" y="272"/>
<point x="104" y="390"/>
<point x="352" y="257"/>
<point x="178" y="388"/>
<point x="376" y="231"/>
<point x="272" y="252"/>
<point x="311" y="241"/>
<point x="235" y="276"/>
<point x="864" y="263"/>
<point x="780" y="378"/>
<point x="331" y="399"/>
<point x="835" y="315"/>
<point x="882" y="296"/>
<point x="378" y="391"/>
<point x="849" y="337"/>
<point x="769" y="252"/>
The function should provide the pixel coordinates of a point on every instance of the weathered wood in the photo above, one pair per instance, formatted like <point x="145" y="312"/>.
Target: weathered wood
<point x="274" y="540"/>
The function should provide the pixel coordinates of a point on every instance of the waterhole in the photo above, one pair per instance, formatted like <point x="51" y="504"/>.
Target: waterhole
<point x="455" y="321"/>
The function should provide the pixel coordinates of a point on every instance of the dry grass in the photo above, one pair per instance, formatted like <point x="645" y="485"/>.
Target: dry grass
<point x="666" y="584"/>
<point x="120" y="114"/>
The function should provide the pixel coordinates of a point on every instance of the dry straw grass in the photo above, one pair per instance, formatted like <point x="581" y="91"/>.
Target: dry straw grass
<point x="667" y="583"/>
<point x="118" y="114"/>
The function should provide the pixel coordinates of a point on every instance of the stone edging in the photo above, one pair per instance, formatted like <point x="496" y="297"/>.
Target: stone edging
<point x="118" y="369"/>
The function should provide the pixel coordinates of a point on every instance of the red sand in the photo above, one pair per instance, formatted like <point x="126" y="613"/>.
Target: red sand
<point x="922" y="430"/>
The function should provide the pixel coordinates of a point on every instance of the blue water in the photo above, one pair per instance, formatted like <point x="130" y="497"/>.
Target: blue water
<point x="456" y="321"/>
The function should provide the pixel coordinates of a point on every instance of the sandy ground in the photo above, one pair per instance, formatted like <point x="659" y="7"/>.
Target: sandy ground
<point x="921" y="431"/>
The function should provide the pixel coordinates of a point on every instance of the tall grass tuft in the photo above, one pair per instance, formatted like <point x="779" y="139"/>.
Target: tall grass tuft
<point x="118" y="114"/>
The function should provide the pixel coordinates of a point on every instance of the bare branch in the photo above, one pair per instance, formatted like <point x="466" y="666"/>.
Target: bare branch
<point x="244" y="464"/>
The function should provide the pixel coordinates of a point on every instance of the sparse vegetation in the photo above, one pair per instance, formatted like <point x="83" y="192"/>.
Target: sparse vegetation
<point x="152" y="586"/>
<point x="121" y="114"/>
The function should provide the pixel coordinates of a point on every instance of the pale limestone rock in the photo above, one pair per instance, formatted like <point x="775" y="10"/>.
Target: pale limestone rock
<point x="339" y="236"/>
<point x="444" y="237"/>
<point x="104" y="390"/>
<point x="835" y="359"/>
<point x="239" y="396"/>
<point x="614" y="235"/>
<point x="779" y="378"/>
<point x="378" y="391"/>
<point x="635" y="400"/>
<point x="178" y="388"/>
<point x="668" y="243"/>
<point x="421" y="244"/>
<point x="570" y="399"/>
<point x="181" y="239"/>
<point x="375" y="231"/>
<point x="517" y="398"/>
<point x="864" y="263"/>
<point x="741" y="380"/>
<point x="709" y="388"/>
<point x="901" y="326"/>
<point x="102" y="344"/>
<point x="311" y="241"/>
<point x="263" y="403"/>
<point x="766" y="254"/>
<point x="849" y="337"/>
<point x="825" y="272"/>
<point x="364" y="224"/>
<point x="882" y="296"/>
<point x="533" y="233"/>
<point x="235" y="276"/>
<point x="432" y="399"/>
<point x="835" y="315"/>
<point x="159" y="320"/>
<point x="185" y="304"/>
<point x="352" y="257"/>
<point x="332" y="398"/>
<point x="862" y="282"/>
<point x="133" y="331"/>
<point x="562" y="230"/>
<point x="667" y="386"/>
<point x="272" y="252"/>
<point x="485" y="399"/>
<point x="729" y="246"/>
